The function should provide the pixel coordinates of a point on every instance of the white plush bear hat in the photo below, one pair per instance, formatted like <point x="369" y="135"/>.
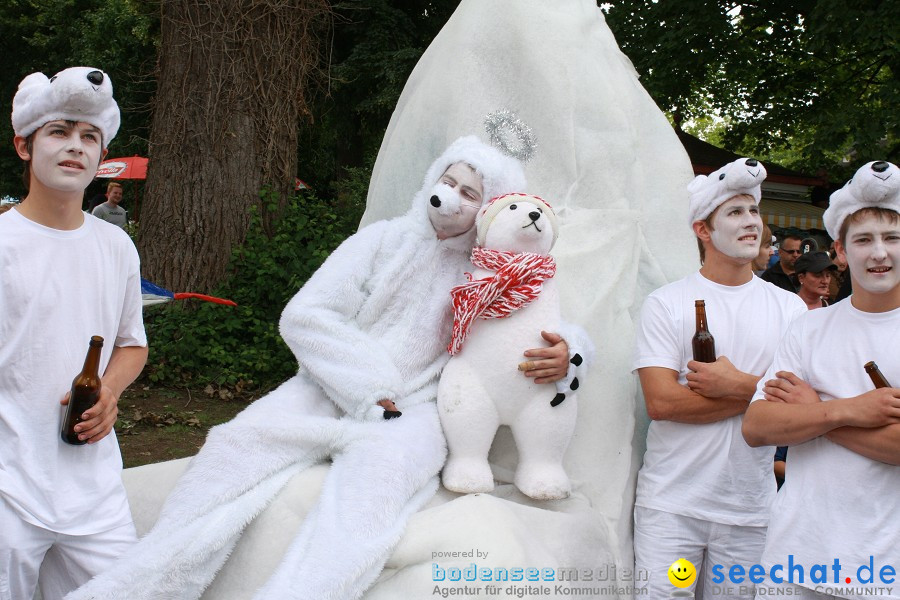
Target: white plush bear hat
<point x="501" y="174"/>
<point x="74" y="94"/>
<point x="489" y="211"/>
<point x="742" y="176"/>
<point x="874" y="185"/>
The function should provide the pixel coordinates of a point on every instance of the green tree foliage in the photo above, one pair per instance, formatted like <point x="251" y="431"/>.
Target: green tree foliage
<point x="117" y="36"/>
<point x="193" y="342"/>
<point x="375" y="47"/>
<point x="811" y="81"/>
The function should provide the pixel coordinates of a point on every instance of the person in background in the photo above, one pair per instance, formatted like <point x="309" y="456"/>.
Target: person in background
<point x="839" y="279"/>
<point x="813" y="271"/>
<point x="780" y="273"/>
<point x="110" y="210"/>
<point x="766" y="251"/>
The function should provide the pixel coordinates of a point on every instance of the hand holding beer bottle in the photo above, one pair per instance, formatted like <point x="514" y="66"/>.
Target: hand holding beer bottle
<point x="85" y="393"/>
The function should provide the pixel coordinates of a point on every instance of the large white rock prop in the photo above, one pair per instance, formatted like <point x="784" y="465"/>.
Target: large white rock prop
<point x="617" y="174"/>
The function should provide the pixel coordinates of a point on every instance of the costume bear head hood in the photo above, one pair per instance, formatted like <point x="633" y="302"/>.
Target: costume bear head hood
<point x="875" y="184"/>
<point x="742" y="176"/>
<point x="75" y="94"/>
<point x="500" y="175"/>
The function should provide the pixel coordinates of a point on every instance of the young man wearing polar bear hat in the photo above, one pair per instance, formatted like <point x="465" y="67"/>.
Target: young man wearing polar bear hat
<point x="702" y="493"/>
<point x="369" y="330"/>
<point x="66" y="277"/>
<point x="840" y="507"/>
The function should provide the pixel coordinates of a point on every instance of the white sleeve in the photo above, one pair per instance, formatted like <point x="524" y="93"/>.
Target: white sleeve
<point x="130" y="331"/>
<point x="787" y="358"/>
<point x="319" y="325"/>
<point x="657" y="340"/>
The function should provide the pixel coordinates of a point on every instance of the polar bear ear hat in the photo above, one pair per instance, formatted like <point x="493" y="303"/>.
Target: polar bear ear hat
<point x="743" y="176"/>
<point x="75" y="94"/>
<point x="874" y="185"/>
<point x="501" y="174"/>
<point x="487" y="214"/>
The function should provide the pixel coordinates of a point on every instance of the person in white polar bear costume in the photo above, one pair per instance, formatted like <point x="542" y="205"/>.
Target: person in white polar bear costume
<point x="511" y="296"/>
<point x="369" y="330"/>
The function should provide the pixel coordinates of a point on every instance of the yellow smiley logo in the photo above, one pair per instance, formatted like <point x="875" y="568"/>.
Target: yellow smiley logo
<point x="682" y="573"/>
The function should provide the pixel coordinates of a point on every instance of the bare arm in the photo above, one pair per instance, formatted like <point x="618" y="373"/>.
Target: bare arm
<point x="879" y="443"/>
<point x="667" y="400"/>
<point x="124" y="366"/>
<point x="793" y="413"/>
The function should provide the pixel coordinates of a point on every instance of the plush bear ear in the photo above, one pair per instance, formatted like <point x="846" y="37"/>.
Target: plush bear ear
<point x="697" y="184"/>
<point x="27" y="98"/>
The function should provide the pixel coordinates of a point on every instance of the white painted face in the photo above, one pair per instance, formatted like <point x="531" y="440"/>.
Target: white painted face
<point x="873" y="254"/>
<point x="455" y="200"/>
<point x="737" y="227"/>
<point x="65" y="157"/>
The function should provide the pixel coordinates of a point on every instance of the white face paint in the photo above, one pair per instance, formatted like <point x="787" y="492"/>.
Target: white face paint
<point x="455" y="200"/>
<point x="873" y="254"/>
<point x="737" y="227"/>
<point x="65" y="157"/>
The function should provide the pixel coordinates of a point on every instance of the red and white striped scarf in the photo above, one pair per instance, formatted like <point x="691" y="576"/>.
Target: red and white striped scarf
<point x="517" y="281"/>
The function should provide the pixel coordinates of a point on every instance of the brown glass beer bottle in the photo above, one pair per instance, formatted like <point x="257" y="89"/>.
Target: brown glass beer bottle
<point x="875" y="373"/>
<point x="703" y="343"/>
<point x="85" y="392"/>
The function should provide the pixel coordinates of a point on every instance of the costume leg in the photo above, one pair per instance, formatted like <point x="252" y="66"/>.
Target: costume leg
<point x="74" y="559"/>
<point x="661" y="538"/>
<point x="734" y="545"/>
<point x="22" y="549"/>
<point x="241" y="467"/>
<point x="384" y="473"/>
<point x="542" y="433"/>
<point x="470" y="421"/>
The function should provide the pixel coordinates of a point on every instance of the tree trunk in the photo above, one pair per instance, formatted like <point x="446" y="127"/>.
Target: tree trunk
<point x="230" y="94"/>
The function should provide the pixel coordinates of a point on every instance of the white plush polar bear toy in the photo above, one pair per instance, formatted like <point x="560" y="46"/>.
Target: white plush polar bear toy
<point x="510" y="298"/>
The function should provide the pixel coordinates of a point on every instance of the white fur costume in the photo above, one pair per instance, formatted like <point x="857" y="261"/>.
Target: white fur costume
<point x="477" y="394"/>
<point x="372" y="323"/>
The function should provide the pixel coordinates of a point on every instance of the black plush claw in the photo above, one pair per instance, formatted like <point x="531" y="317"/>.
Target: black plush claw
<point x="577" y="360"/>
<point x="392" y="414"/>
<point x="557" y="400"/>
<point x="575" y="384"/>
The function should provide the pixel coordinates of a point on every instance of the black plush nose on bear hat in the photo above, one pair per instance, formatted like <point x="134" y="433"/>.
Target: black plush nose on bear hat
<point x="814" y="262"/>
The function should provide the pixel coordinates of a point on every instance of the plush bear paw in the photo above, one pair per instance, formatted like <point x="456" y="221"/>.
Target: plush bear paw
<point x="543" y="482"/>
<point x="467" y="476"/>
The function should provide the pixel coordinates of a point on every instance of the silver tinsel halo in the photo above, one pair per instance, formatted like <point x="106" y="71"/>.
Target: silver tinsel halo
<point x="509" y="133"/>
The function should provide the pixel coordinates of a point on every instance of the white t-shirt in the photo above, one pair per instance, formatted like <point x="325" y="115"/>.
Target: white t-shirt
<point x="708" y="471"/>
<point x="835" y="503"/>
<point x="57" y="289"/>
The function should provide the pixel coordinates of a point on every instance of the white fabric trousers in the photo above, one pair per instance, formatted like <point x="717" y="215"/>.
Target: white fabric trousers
<point x="382" y="472"/>
<point x="661" y="538"/>
<point x="32" y="556"/>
